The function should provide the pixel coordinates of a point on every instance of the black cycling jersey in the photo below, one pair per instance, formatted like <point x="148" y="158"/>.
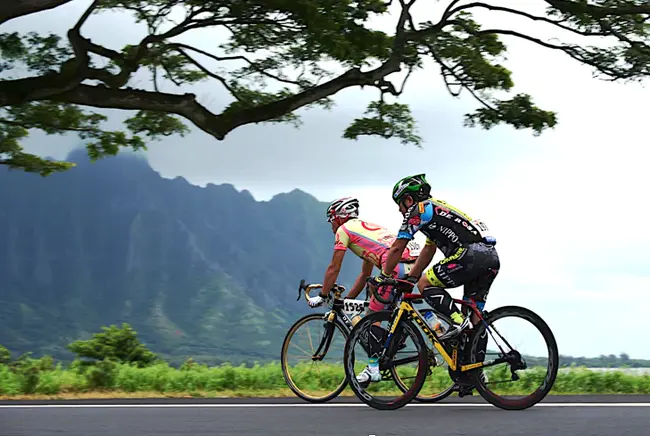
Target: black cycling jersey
<point x="443" y="225"/>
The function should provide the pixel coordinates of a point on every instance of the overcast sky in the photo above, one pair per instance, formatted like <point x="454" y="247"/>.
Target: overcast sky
<point x="567" y="208"/>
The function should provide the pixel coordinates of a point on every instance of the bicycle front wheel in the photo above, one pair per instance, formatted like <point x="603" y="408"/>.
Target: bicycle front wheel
<point x="319" y="382"/>
<point x="437" y="384"/>
<point x="368" y="340"/>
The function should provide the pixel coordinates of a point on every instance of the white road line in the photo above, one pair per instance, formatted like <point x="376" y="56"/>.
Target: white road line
<point x="258" y="405"/>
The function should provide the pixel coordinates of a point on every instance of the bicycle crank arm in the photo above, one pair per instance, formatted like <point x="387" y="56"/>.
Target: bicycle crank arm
<point x="496" y="362"/>
<point x="405" y="361"/>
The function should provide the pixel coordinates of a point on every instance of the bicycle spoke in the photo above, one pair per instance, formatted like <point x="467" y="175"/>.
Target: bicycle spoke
<point x="307" y="353"/>
<point x="310" y="342"/>
<point x="313" y="380"/>
<point x="517" y="385"/>
<point x="385" y="393"/>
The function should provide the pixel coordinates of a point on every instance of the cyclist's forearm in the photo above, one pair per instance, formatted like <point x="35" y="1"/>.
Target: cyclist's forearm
<point x="366" y="271"/>
<point x="394" y="256"/>
<point x="331" y="274"/>
<point x="358" y="285"/>
<point x="423" y="260"/>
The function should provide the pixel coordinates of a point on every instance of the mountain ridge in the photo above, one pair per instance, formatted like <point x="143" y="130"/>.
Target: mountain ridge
<point x="196" y="270"/>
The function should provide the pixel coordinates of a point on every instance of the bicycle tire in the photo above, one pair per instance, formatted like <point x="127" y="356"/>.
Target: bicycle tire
<point x="420" y="398"/>
<point x="365" y="397"/>
<point x="540" y="393"/>
<point x="283" y="354"/>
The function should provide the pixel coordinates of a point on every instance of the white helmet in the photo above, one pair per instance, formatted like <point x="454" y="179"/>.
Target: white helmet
<point x="346" y="207"/>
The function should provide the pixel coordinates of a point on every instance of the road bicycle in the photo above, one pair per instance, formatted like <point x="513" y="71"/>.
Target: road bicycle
<point x="343" y="314"/>
<point x="405" y="319"/>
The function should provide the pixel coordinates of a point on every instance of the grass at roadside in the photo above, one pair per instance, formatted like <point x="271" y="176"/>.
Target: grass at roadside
<point x="161" y="380"/>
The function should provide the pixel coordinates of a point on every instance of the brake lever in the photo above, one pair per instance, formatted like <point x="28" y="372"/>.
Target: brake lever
<point x="300" y="288"/>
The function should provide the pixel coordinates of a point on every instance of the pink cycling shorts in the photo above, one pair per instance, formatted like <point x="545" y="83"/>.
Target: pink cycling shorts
<point x="400" y="271"/>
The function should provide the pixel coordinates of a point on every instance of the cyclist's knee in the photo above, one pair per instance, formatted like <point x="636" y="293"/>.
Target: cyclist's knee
<point x="374" y="306"/>
<point x="479" y="290"/>
<point x="423" y="283"/>
<point x="431" y="279"/>
<point x="479" y="301"/>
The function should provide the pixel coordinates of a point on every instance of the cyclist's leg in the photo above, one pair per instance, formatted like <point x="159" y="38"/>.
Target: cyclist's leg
<point x="486" y="263"/>
<point x="451" y="272"/>
<point x="474" y="267"/>
<point x="371" y="371"/>
<point x="400" y="272"/>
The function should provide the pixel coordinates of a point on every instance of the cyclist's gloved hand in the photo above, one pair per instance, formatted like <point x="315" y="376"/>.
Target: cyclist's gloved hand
<point x="379" y="280"/>
<point x="316" y="301"/>
<point x="412" y="280"/>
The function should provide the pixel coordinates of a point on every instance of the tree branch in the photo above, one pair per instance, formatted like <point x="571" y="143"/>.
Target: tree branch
<point x="85" y="16"/>
<point x="571" y="50"/>
<point x="77" y="42"/>
<point x="508" y="32"/>
<point x="45" y="124"/>
<point x="597" y="11"/>
<point x="101" y="51"/>
<point x="10" y="9"/>
<point x="177" y="46"/>
<point x="154" y="74"/>
<point x="134" y="99"/>
<point x="448" y="11"/>
<point x="352" y="77"/>
<point x="130" y="64"/>
<point x="220" y="125"/>
<point x="447" y="70"/>
<point x="72" y="72"/>
<point x="524" y="14"/>
<point x="401" y="90"/>
<point x="210" y="73"/>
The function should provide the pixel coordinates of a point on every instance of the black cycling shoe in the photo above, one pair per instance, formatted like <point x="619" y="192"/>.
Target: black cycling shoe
<point x="402" y="343"/>
<point x="465" y="388"/>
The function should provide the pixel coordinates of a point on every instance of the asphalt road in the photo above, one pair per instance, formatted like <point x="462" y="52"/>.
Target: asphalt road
<point x="589" y="415"/>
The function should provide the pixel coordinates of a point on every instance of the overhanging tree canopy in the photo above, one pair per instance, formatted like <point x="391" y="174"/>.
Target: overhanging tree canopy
<point x="63" y="79"/>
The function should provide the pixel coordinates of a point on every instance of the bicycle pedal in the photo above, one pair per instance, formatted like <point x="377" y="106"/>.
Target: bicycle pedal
<point x="464" y="390"/>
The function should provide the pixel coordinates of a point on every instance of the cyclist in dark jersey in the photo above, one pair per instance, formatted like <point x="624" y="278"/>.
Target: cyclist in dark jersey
<point x="471" y="259"/>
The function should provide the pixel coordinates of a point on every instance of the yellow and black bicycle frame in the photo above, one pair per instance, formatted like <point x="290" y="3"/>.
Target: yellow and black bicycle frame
<point x="405" y="307"/>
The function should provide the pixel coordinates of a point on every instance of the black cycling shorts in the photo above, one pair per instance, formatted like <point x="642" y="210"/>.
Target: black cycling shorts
<point x="474" y="267"/>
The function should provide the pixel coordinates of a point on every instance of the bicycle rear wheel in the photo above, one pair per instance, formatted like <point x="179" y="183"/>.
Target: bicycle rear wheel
<point x="320" y="378"/>
<point x="372" y="342"/>
<point x="516" y="359"/>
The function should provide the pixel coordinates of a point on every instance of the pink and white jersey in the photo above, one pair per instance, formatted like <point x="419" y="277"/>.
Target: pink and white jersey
<point x="370" y="242"/>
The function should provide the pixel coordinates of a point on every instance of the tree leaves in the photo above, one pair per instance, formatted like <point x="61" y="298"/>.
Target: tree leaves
<point x="283" y="55"/>
<point x="388" y="120"/>
<point x="36" y="52"/>
<point x="468" y="56"/>
<point x="5" y="355"/>
<point x="519" y="112"/>
<point x="115" y="344"/>
<point x="61" y="118"/>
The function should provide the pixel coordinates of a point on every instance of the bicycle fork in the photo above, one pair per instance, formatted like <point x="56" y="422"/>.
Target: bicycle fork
<point x="326" y="340"/>
<point x="391" y="332"/>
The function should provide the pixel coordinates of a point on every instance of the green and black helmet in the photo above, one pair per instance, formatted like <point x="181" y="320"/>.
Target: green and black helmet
<point x="415" y="186"/>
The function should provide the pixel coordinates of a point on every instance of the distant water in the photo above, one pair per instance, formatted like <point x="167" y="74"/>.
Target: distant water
<point x="634" y="371"/>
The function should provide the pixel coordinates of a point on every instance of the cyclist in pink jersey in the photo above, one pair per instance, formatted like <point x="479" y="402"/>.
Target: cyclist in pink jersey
<point x="369" y="241"/>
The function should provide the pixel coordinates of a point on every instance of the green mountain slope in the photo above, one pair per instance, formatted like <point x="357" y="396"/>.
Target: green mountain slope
<point x="197" y="271"/>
